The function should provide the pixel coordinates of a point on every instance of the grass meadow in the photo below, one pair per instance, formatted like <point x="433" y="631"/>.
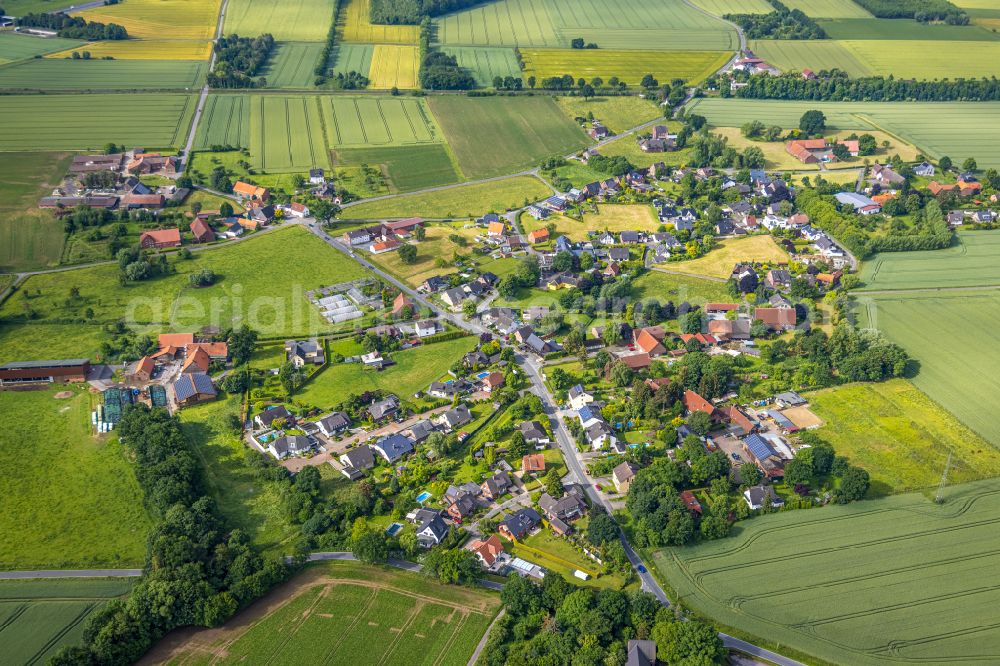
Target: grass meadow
<point x="901" y="437"/>
<point x="56" y="122"/>
<point x="394" y="66"/>
<point x="486" y="62"/>
<point x="679" y="288"/>
<point x="39" y="617"/>
<point x="353" y="25"/>
<point x="408" y="167"/>
<point x="462" y="201"/>
<point x="628" y="146"/>
<point x="246" y="289"/>
<point x="950" y="337"/>
<point x="15" y="47"/>
<point x="720" y="261"/>
<point x="628" y="66"/>
<point x="62" y="74"/>
<point x="348" y="613"/>
<point x="612" y="24"/>
<point x="617" y="113"/>
<point x="165" y="19"/>
<point x="956" y="129"/>
<point x="414" y="369"/>
<point x="286" y="20"/>
<point x="901" y="579"/>
<point x="776" y="157"/>
<point x="71" y="498"/>
<point x="437" y="244"/>
<point x="492" y="136"/>
<point x="29" y="237"/>
<point x="292" y="65"/>
<point x="610" y="217"/>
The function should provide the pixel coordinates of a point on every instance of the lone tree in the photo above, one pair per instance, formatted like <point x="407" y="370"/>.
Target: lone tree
<point x="812" y="122"/>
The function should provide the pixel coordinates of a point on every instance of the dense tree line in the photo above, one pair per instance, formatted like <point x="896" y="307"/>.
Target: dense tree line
<point x="930" y="231"/>
<point x="238" y="59"/>
<point x="198" y="572"/>
<point x="412" y="12"/>
<point x="782" y="23"/>
<point x="836" y="86"/>
<point x="557" y="624"/>
<point x="74" y="27"/>
<point x="921" y="10"/>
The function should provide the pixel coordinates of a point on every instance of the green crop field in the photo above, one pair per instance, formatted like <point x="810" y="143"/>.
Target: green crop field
<point x="38" y="617"/>
<point x="15" y="47"/>
<point x="612" y="24"/>
<point x="950" y="336"/>
<point x="286" y="20"/>
<point x="277" y="304"/>
<point x="485" y="62"/>
<point x="353" y="58"/>
<point x="492" y="136"/>
<point x="286" y="133"/>
<point x="956" y="129"/>
<point x="53" y="74"/>
<point x="723" y="7"/>
<point x="408" y="167"/>
<point x="462" y="201"/>
<point x="71" y="498"/>
<point x="901" y="437"/>
<point x="349" y="613"/>
<point x="394" y="66"/>
<point x="970" y="263"/>
<point x="628" y="66"/>
<point x="293" y="65"/>
<point x="58" y="122"/>
<point x="901" y="580"/>
<point x="829" y="8"/>
<point x="888" y="29"/>
<point x="792" y="55"/>
<point x="29" y="237"/>
<point x="378" y="121"/>
<point x="414" y="369"/>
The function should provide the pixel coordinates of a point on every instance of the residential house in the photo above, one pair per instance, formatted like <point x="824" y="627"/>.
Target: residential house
<point x="600" y="435"/>
<point x="885" y="175"/>
<point x="333" y="424"/>
<point x="569" y="507"/>
<point x="193" y="388"/>
<point x="757" y="496"/>
<point x="453" y="297"/>
<point x="534" y="433"/>
<point x="778" y="278"/>
<point x="691" y="502"/>
<point x="538" y="236"/>
<point x="433" y="284"/>
<point x="537" y="212"/>
<point x="650" y="341"/>
<point x="357" y="237"/>
<point x="496" y="229"/>
<point x="202" y="231"/>
<point x="316" y="176"/>
<point x="695" y="403"/>
<point x="776" y="319"/>
<point x="556" y="203"/>
<point x="925" y="169"/>
<point x="456" y="417"/>
<point x="425" y="328"/>
<point x="262" y="214"/>
<point x="448" y="390"/>
<point x="640" y="653"/>
<point x="494" y="487"/>
<point x="289" y="445"/>
<point x="420" y="430"/>
<point x="160" y="238"/>
<point x="598" y="131"/>
<point x="393" y="447"/>
<point x="143" y="370"/>
<point x="266" y="418"/>
<point x="253" y="193"/>
<point x="463" y="506"/>
<point x="304" y="352"/>
<point x="493" y="381"/>
<point x="533" y="463"/>
<point x="861" y="204"/>
<point x="432" y="532"/>
<point x="739" y="419"/>
<point x="196" y="360"/>
<point x="622" y="476"/>
<point x="488" y="551"/>
<point x="357" y="460"/>
<point x="579" y="397"/>
<point x="519" y="523"/>
<point x="764" y="455"/>
<point x="384" y="409"/>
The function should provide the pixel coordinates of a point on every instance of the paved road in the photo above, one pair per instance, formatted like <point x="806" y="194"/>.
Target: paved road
<point x="71" y="573"/>
<point x="204" y="90"/>
<point x="486" y="637"/>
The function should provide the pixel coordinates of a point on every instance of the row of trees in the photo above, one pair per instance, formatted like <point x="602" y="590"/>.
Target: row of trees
<point x="74" y="27"/>
<point x="782" y="23"/>
<point x="438" y="70"/>
<point x="921" y="10"/>
<point x="198" y="571"/>
<point x="238" y="60"/>
<point x="412" y="12"/>
<point x="836" y="86"/>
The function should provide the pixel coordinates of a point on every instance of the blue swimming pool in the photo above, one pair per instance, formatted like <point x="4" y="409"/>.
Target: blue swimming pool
<point x="483" y="375"/>
<point x="393" y="529"/>
<point x="423" y="497"/>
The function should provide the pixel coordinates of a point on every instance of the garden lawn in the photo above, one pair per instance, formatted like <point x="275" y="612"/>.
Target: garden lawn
<point x="617" y="113"/>
<point x="29" y="237"/>
<point x="71" y="499"/>
<point x="679" y="288"/>
<point x="461" y="201"/>
<point x="272" y="301"/>
<point x="558" y="555"/>
<point x="493" y="136"/>
<point x="437" y="244"/>
<point x="901" y="576"/>
<point x="246" y="502"/>
<point x="54" y="122"/>
<point x="901" y="437"/>
<point x="286" y="20"/>
<point x="40" y="617"/>
<point x="720" y="260"/>
<point x="414" y="369"/>
<point x="628" y="66"/>
<point x="408" y="167"/>
<point x="349" y="613"/>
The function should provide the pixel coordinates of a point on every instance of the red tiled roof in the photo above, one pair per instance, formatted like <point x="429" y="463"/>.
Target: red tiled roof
<point x="695" y="403"/>
<point x="776" y="318"/>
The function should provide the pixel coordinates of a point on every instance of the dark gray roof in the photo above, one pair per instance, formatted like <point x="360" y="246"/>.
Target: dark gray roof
<point x="27" y="365"/>
<point x="522" y="521"/>
<point x="269" y="415"/>
<point x="193" y="384"/>
<point x="394" y="446"/>
<point x="360" y="457"/>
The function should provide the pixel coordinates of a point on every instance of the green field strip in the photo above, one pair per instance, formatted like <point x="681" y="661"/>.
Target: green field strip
<point x="14" y="47"/>
<point x="352" y="58"/>
<point x="67" y="75"/>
